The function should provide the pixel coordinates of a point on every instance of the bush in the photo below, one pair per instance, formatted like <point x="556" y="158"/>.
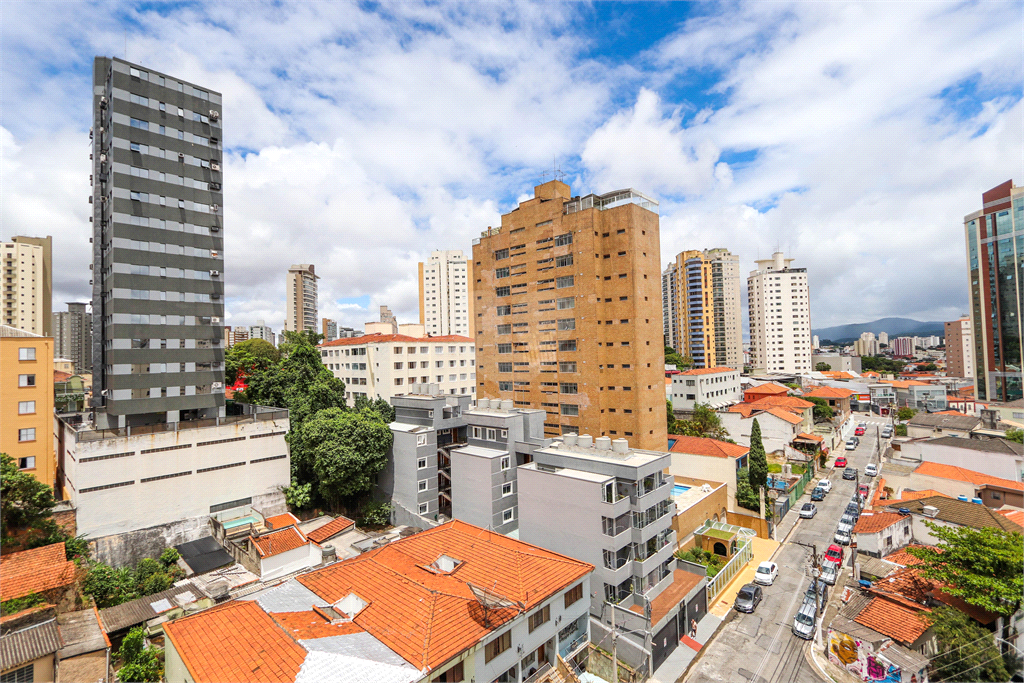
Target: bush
<point x="140" y="661"/>
<point x="17" y="604"/>
<point x="376" y="513"/>
<point x="169" y="557"/>
<point x="710" y="561"/>
<point x="901" y="430"/>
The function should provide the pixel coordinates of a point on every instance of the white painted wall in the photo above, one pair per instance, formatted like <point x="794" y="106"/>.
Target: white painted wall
<point x="900" y="533"/>
<point x="711" y="388"/>
<point x="704" y="467"/>
<point x="776" y="433"/>
<point x="309" y="555"/>
<point x="1001" y="465"/>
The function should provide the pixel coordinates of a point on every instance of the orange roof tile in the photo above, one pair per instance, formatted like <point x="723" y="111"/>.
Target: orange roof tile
<point x="332" y="528"/>
<point x="236" y="643"/>
<point x="935" y="469"/>
<point x="901" y="556"/>
<point x="873" y="522"/>
<point x="905" y="385"/>
<point x="707" y="371"/>
<point x="829" y="392"/>
<point x="35" y="571"/>
<point x="950" y="412"/>
<point x="837" y="374"/>
<point x="378" y="338"/>
<point x="427" y="618"/>
<point x="894" y="620"/>
<point x="870" y="373"/>
<point x="769" y="388"/>
<point x="783" y="402"/>
<point x="282" y="521"/>
<point x="754" y="409"/>
<point x="908" y="583"/>
<point x="812" y="437"/>
<point x="696" y="445"/>
<point x="59" y="376"/>
<point x="277" y="542"/>
<point x="926" y="493"/>
<point x="786" y="414"/>
<point x="1015" y="516"/>
<point x="310" y="624"/>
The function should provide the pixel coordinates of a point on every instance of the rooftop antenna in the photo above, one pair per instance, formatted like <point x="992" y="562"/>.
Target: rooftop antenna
<point x="556" y="171"/>
<point x="490" y="600"/>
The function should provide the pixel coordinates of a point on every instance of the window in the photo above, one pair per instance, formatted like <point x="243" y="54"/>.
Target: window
<point x="506" y="489"/>
<point x="421" y="439"/>
<point x="564" y="281"/>
<point x="567" y="345"/>
<point x="27" y="434"/>
<point x="504" y="367"/>
<point x="141" y="125"/>
<point x="399" y="381"/>
<point x="570" y="410"/>
<point x="26" y="407"/>
<point x="502" y="291"/>
<point x="398" y="366"/>
<point x="423" y="485"/>
<point x="566" y="302"/>
<point x="452" y="675"/>
<point x="563" y="260"/>
<point x="573" y="594"/>
<point x="504" y="329"/>
<point x="508" y="515"/>
<point x="504" y="348"/>
<point x="26" y="380"/>
<point x="567" y="387"/>
<point x="567" y="366"/>
<point x="505" y="462"/>
<point x="541" y="616"/>
<point x="504" y="310"/>
<point x="501" y="272"/>
<point x="477" y="433"/>
<point x="561" y="240"/>
<point x="421" y="464"/>
<point x="500" y="254"/>
<point x="423" y="509"/>
<point x="27" y="353"/>
<point x="492" y="436"/>
<point x="565" y="324"/>
<point x="497" y="646"/>
<point x="504" y="386"/>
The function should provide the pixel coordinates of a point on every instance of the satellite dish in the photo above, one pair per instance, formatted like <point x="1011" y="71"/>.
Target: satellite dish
<point x="489" y="600"/>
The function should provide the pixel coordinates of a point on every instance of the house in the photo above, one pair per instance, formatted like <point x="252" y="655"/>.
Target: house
<point x="995" y="457"/>
<point x="879" y="533"/>
<point x="29" y="653"/>
<point x="837" y="399"/>
<point x="716" y="387"/>
<point x="697" y="502"/>
<point x="45" y="571"/>
<point x="759" y="391"/>
<point x="781" y="419"/>
<point x="873" y="638"/>
<point x="951" y="512"/>
<point x="941" y="424"/>
<point x="953" y="481"/>
<point x="918" y="395"/>
<point x="883" y="497"/>
<point x="709" y="459"/>
<point x="185" y="598"/>
<point x="284" y="549"/>
<point x="85" y="649"/>
<point x="453" y="603"/>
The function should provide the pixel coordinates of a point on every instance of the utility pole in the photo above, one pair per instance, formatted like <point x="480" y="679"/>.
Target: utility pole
<point x="817" y="596"/>
<point x="615" y="652"/>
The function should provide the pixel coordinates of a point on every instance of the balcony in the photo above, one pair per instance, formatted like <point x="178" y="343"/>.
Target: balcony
<point x="645" y="498"/>
<point x="648" y="564"/>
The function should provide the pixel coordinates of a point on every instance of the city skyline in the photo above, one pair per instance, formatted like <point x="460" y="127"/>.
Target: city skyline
<point x="740" y="168"/>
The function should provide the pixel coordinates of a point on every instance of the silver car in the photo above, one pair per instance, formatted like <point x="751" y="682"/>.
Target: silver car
<point x="803" y="623"/>
<point x="842" y="537"/>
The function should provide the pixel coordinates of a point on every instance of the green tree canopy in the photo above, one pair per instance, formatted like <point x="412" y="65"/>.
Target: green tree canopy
<point x="252" y="355"/>
<point x="881" y="364"/>
<point x="746" y="497"/>
<point x="967" y="651"/>
<point x="704" y="422"/>
<point x="822" y="367"/>
<point x="905" y="413"/>
<point x="24" y="500"/>
<point x="301" y="383"/>
<point x="140" y="662"/>
<point x="293" y="339"/>
<point x="672" y="357"/>
<point x="822" y="410"/>
<point x="1015" y="435"/>
<point x="757" y="462"/>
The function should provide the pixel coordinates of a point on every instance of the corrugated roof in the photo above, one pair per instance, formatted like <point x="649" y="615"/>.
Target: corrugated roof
<point x="331" y="529"/>
<point x="29" y="643"/>
<point x="963" y="513"/>
<point x="935" y="469"/>
<point x="35" y="571"/>
<point x="134" y="612"/>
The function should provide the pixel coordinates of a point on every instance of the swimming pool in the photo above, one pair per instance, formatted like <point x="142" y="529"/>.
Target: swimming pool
<point x="240" y="521"/>
<point x="677" y="489"/>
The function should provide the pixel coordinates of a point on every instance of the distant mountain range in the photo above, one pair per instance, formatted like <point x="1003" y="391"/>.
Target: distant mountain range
<point x="894" y="327"/>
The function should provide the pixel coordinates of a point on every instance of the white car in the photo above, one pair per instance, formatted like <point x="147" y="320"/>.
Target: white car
<point x="871" y="470"/>
<point x="766" y="573"/>
<point x="826" y="485"/>
<point x="851" y="445"/>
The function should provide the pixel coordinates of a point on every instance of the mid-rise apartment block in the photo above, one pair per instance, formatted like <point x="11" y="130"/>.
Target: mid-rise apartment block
<point x="780" y="316"/>
<point x="717" y="387"/>
<point x="701" y="307"/>
<point x="158" y="247"/>
<point x="959" y="348"/>
<point x="902" y="347"/>
<point x="566" y="304"/>
<point x="261" y="331"/>
<point x="72" y="336"/>
<point x="329" y="328"/>
<point x="445" y="306"/>
<point x="301" y="298"/>
<point x="384" y="365"/>
<point x="26" y="401"/>
<point x="994" y="260"/>
<point x="27" y="284"/>
<point x="866" y="345"/>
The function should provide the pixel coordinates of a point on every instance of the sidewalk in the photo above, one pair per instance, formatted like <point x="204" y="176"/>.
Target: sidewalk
<point x="676" y="663"/>
<point x="764" y="549"/>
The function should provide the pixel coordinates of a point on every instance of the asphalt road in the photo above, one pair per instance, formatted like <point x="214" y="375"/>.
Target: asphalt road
<point x="761" y="647"/>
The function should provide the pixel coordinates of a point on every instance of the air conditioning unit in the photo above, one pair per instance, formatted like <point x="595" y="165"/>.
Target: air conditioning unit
<point x="214" y="273"/>
<point x="217" y="385"/>
<point x="215" y="208"/>
<point x="214" y="166"/>
<point x="214" y="114"/>
<point x="215" y="186"/>
<point x="215" y="320"/>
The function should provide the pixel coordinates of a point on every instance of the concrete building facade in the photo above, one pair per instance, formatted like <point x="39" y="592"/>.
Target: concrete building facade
<point x="158" y="247"/>
<point x="959" y="348"/>
<point x="329" y="328"/>
<point x="702" y="307"/>
<point x="301" y="298"/>
<point x="26" y="402"/>
<point x="261" y="331"/>
<point x="566" y="298"/>
<point x="27" y="284"/>
<point x="717" y="387"/>
<point x="72" y="336"/>
<point x="780" y="316"/>
<point x="445" y="304"/>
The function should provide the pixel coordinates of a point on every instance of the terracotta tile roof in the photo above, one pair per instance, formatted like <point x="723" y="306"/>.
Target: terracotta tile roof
<point x="427" y="618"/>
<point x="894" y="620"/>
<point x="282" y="521"/>
<point x="1015" y="516"/>
<point x="235" y="643"/>
<point x="769" y="388"/>
<point x="870" y="373"/>
<point x="904" y="385"/>
<point x="786" y="415"/>
<point x="311" y="624"/>
<point x="35" y="571"/>
<point x="748" y="410"/>
<point x="708" y="371"/>
<point x="829" y="392"/>
<point x="59" y="376"/>
<point x="917" y="495"/>
<point x="873" y="522"/>
<point x="935" y="469"/>
<point x="378" y="338"/>
<point x="901" y="556"/>
<point x="812" y="437"/>
<point x="332" y="528"/>
<point x="908" y="583"/>
<point x="696" y="445"/>
<point x="277" y="542"/>
<point x="783" y="402"/>
<point x="837" y="374"/>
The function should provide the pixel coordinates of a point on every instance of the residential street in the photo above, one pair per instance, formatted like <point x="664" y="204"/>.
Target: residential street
<point x="761" y="647"/>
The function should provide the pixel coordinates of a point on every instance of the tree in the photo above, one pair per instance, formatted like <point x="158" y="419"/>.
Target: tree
<point x="704" y="423"/>
<point x="1015" y="435"/>
<point x="756" y="460"/>
<point x="250" y="355"/>
<point x="341" y="451"/>
<point x="25" y="502"/>
<point x="982" y="567"/>
<point x="822" y="367"/>
<point x="822" y="410"/>
<point x="967" y="652"/>
<point x="928" y="367"/>
<point x="301" y="383"/>
<point x="297" y="495"/>
<point x="746" y="497"/>
<point x="139" y="661"/>
<point x="905" y="413"/>
<point x="295" y="339"/>
<point x="670" y="418"/>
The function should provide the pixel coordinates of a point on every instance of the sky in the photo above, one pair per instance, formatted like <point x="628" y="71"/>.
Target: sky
<point x="361" y="136"/>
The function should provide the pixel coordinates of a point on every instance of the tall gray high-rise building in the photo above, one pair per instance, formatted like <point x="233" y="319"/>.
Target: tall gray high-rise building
<point x="72" y="336"/>
<point x="158" y="247"/>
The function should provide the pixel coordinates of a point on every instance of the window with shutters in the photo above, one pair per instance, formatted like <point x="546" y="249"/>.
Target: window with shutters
<point x="497" y="646"/>
<point x="573" y="594"/>
<point x="541" y="616"/>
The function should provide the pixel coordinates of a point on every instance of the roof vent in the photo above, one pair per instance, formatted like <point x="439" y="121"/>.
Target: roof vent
<point x="930" y="511"/>
<point x="569" y="439"/>
<point x="349" y="606"/>
<point x="445" y="564"/>
<point x="620" y="446"/>
<point x="603" y="443"/>
<point x="585" y="441"/>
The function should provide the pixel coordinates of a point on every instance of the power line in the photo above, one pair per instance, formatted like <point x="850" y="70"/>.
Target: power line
<point x="957" y="661"/>
<point x="999" y="656"/>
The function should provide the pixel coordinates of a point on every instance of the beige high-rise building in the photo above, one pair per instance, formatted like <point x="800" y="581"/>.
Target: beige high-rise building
<point x="28" y="284"/>
<point x="566" y="295"/>
<point x="780" y="316"/>
<point x="701" y="307"/>
<point x="301" y="298"/>
<point x="445" y="306"/>
<point x="959" y="348"/>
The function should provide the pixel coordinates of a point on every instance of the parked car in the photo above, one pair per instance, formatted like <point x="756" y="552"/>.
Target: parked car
<point x="851" y="445"/>
<point x="818" y="494"/>
<point x="748" y="598"/>
<point x="834" y="552"/>
<point x="840" y="462"/>
<point x="853" y="510"/>
<point x="848" y="519"/>
<point x="863" y="490"/>
<point x="842" y="537"/>
<point x="871" y="470"/>
<point x="822" y="594"/>
<point x="825" y="484"/>
<point x="886" y="431"/>
<point x="803" y="622"/>
<point x="859" y="431"/>
<point x="829" y="573"/>
<point x="808" y="510"/>
<point x="766" y="573"/>
<point x="849" y="473"/>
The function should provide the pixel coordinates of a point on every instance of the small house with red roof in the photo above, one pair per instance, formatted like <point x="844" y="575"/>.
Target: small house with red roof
<point x="781" y="419"/>
<point x="755" y="393"/>
<point x="708" y="459"/>
<point x="879" y="533"/>
<point x="838" y="399"/>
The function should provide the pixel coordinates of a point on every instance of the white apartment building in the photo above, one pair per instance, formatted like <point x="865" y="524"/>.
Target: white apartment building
<point x="385" y="365"/>
<point x="669" y="306"/>
<point x="780" y="316"/>
<point x="301" y="298"/>
<point x="261" y="331"/>
<point x="867" y="345"/>
<point x="444" y="294"/>
<point x="23" y="287"/>
<point x="717" y="387"/>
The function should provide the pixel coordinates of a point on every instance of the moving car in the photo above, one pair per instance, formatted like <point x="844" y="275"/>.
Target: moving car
<point x="818" y="494"/>
<point x="840" y="462"/>
<point x="842" y="537"/>
<point x="871" y="470"/>
<point x="748" y="598"/>
<point x="859" y="431"/>
<point x="825" y="484"/>
<point x="835" y="553"/>
<point x="850" y="473"/>
<point x="766" y="573"/>
<point x="803" y="622"/>
<point x="808" y="510"/>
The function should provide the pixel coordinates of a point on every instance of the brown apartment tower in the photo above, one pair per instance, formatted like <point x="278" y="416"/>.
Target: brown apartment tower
<point x="567" y="298"/>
